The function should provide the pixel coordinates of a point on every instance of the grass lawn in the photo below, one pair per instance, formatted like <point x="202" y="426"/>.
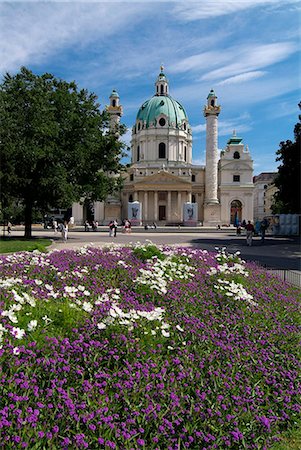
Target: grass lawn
<point x="12" y="244"/>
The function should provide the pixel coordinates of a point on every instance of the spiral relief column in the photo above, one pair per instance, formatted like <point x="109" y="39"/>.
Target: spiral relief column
<point x="211" y="205"/>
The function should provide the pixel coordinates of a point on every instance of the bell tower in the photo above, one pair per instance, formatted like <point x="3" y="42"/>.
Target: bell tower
<point x="115" y="110"/>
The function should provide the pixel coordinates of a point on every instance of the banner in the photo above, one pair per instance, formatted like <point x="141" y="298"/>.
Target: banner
<point x="190" y="213"/>
<point x="135" y="213"/>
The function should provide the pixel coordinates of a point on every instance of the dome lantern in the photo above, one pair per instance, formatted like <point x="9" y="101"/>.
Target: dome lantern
<point x="161" y="83"/>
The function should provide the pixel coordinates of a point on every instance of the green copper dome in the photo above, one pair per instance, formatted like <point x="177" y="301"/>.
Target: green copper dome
<point x="114" y="93"/>
<point x="162" y="104"/>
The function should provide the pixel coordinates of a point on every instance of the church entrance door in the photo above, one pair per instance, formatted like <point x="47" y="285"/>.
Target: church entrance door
<point x="236" y="212"/>
<point x="162" y="212"/>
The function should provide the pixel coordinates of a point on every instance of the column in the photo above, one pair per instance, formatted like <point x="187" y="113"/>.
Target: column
<point x="156" y="205"/>
<point x="211" y="181"/>
<point x="135" y="197"/>
<point x="169" y="206"/>
<point x="180" y="212"/>
<point x="189" y="197"/>
<point x="145" y="205"/>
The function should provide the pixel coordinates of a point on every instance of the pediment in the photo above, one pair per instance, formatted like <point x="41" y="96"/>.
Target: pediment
<point x="163" y="177"/>
<point x="237" y="165"/>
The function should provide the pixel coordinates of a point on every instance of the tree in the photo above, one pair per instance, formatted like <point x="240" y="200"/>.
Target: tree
<point x="56" y="145"/>
<point x="287" y="199"/>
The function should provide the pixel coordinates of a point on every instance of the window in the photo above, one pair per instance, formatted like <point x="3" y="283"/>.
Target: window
<point x="162" y="150"/>
<point x="193" y="199"/>
<point x="139" y="126"/>
<point x="162" y="122"/>
<point x="114" y="103"/>
<point x="132" y="177"/>
<point x="184" y="126"/>
<point x="236" y="155"/>
<point x="131" y="198"/>
<point x="162" y="89"/>
<point x="212" y="102"/>
<point x="162" y="196"/>
<point x="185" y="153"/>
<point x="192" y="177"/>
<point x="138" y="153"/>
<point x="236" y="178"/>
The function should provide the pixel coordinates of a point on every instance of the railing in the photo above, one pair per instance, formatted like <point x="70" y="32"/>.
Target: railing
<point x="290" y="276"/>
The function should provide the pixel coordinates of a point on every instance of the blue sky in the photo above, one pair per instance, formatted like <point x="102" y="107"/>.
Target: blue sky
<point x="248" y="51"/>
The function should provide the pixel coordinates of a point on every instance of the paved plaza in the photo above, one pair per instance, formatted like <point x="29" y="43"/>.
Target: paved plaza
<point x="276" y="252"/>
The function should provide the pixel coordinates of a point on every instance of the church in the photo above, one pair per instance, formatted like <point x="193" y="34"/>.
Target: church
<point x="161" y="184"/>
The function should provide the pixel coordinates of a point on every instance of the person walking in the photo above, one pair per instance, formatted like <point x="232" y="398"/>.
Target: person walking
<point x="250" y="232"/>
<point x="115" y="228"/>
<point x="263" y="228"/>
<point x="9" y="227"/>
<point x="65" y="231"/>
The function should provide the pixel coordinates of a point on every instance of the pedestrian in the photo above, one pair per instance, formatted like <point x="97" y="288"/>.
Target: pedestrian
<point x="111" y="228"/>
<point x="115" y="228"/>
<point x="86" y="225"/>
<point x="127" y="226"/>
<point x="65" y="231"/>
<point x="263" y="228"/>
<point x="250" y="232"/>
<point x="9" y="227"/>
<point x="54" y="225"/>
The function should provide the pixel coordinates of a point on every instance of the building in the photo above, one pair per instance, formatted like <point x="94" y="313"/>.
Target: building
<point x="162" y="184"/>
<point x="264" y="189"/>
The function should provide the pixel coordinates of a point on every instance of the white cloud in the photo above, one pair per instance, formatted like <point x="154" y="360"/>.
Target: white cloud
<point x="251" y="58"/>
<point x="126" y="137"/>
<point x="200" y="61"/>
<point x="208" y="9"/>
<point x="242" y="78"/>
<point x="31" y="32"/>
<point x="199" y="128"/>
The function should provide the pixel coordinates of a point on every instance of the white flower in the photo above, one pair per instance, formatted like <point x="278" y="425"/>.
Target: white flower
<point x="30" y="300"/>
<point x="165" y="333"/>
<point x="153" y="332"/>
<point x="179" y="328"/>
<point x="38" y="282"/>
<point x="86" y="293"/>
<point x="17" y="332"/>
<point x="48" y="287"/>
<point x="101" y="326"/>
<point x="87" y="306"/>
<point x="170" y="348"/>
<point x="81" y="288"/>
<point x="11" y="315"/>
<point x="32" y="325"/>
<point x="47" y="320"/>
<point x="16" y="351"/>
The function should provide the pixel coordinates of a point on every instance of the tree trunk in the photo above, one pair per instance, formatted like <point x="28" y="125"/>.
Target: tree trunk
<point x="28" y="220"/>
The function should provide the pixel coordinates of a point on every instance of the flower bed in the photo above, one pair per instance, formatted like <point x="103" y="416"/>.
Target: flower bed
<point x="145" y="348"/>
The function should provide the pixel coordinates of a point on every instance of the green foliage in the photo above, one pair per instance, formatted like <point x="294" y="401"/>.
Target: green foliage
<point x="56" y="147"/>
<point x="287" y="199"/>
<point x="148" y="252"/>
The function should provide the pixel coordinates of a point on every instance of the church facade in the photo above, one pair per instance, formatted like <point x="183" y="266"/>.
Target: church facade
<point x="162" y="184"/>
